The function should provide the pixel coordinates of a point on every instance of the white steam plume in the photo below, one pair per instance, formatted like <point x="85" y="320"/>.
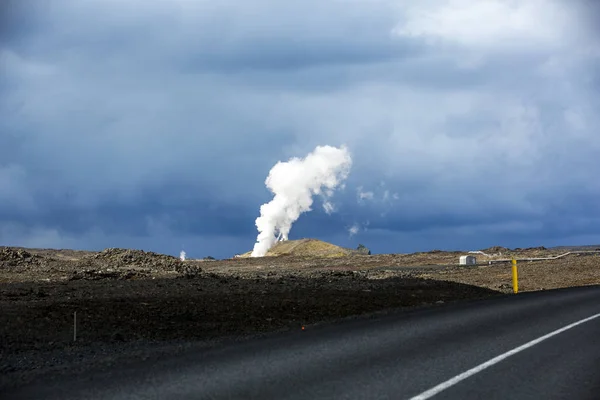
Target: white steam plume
<point x="294" y="183"/>
<point x="182" y="255"/>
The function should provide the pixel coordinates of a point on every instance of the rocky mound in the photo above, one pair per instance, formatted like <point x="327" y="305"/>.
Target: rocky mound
<point x="309" y="248"/>
<point x="540" y="248"/>
<point x="10" y="257"/>
<point x="135" y="258"/>
<point x="125" y="264"/>
<point x="496" y="249"/>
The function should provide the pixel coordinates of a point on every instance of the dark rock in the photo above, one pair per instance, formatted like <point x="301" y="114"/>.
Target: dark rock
<point x="118" y="337"/>
<point x="188" y="270"/>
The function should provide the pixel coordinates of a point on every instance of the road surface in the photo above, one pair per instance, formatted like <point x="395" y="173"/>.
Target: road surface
<point x="543" y="345"/>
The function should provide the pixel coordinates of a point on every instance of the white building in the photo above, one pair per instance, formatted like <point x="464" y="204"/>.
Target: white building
<point x="468" y="260"/>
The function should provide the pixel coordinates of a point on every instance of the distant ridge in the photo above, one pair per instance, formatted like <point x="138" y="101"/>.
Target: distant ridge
<point x="575" y="248"/>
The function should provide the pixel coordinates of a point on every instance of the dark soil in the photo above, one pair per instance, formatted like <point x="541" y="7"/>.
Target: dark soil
<point x="41" y="314"/>
<point x="137" y="303"/>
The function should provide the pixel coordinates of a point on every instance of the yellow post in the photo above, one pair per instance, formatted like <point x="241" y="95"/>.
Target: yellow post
<point x="515" y="276"/>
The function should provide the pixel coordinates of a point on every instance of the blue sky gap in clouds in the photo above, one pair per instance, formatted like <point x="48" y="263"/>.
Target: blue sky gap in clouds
<point x="154" y="124"/>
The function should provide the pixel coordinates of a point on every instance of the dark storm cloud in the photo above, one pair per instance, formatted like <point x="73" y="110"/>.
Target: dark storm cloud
<point x="155" y="124"/>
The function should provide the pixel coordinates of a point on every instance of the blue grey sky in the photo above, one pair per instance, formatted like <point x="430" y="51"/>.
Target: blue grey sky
<point x="153" y="125"/>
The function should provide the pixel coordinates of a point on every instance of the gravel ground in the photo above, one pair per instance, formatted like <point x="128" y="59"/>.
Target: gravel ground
<point x="570" y="271"/>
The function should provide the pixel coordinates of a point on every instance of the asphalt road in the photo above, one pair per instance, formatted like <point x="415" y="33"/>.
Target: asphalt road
<point x="543" y="345"/>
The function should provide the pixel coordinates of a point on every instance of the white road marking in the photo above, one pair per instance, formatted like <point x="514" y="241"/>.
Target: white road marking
<point x="453" y="381"/>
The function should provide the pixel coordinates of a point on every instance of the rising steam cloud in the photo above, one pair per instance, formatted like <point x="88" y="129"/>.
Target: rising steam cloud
<point x="294" y="183"/>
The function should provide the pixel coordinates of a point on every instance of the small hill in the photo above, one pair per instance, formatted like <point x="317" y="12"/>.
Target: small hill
<point x="306" y="248"/>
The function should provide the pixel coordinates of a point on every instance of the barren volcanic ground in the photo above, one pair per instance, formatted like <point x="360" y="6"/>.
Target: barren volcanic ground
<point x="134" y="304"/>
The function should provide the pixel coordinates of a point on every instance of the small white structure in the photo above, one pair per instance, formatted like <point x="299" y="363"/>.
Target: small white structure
<point x="468" y="260"/>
